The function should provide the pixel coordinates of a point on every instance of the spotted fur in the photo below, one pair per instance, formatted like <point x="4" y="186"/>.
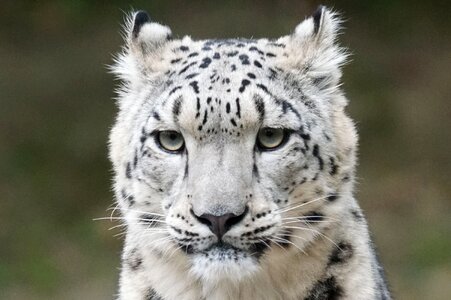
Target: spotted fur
<point x="297" y="231"/>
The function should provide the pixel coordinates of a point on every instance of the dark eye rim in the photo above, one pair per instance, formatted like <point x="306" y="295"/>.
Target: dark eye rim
<point x="286" y="137"/>
<point x="156" y="135"/>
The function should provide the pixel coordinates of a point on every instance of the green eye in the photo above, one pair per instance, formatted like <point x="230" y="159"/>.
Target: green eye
<point x="171" y="140"/>
<point x="270" y="138"/>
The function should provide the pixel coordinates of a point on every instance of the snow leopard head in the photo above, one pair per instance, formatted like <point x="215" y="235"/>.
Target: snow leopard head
<point x="227" y="152"/>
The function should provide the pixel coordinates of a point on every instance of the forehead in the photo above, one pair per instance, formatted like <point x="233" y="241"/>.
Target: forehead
<point x="222" y="58"/>
<point x="220" y="81"/>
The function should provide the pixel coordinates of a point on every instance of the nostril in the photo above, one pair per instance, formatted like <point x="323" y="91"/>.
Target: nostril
<point x="219" y="225"/>
<point x="201" y="219"/>
<point x="234" y="219"/>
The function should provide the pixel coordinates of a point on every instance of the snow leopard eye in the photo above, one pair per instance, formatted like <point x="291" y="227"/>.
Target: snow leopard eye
<point x="270" y="138"/>
<point x="170" y="140"/>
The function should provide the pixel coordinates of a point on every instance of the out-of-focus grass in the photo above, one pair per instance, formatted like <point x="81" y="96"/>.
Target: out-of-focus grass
<point x="56" y="108"/>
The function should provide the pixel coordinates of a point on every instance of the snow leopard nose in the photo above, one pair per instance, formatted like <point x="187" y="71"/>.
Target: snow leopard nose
<point x="219" y="225"/>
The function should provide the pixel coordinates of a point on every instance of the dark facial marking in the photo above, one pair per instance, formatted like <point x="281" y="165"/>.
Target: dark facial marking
<point x="244" y="83"/>
<point x="238" y="108"/>
<point x="315" y="153"/>
<point x="205" y="63"/>
<point x="195" y="86"/>
<point x="186" y="68"/>
<point x="156" y="116"/>
<point x="128" y="171"/>
<point x="228" y="107"/>
<point x="134" y="260"/>
<point x="244" y="59"/>
<point x="257" y="64"/>
<point x="341" y="254"/>
<point x="174" y="90"/>
<point x="176" y="106"/>
<point x="152" y="295"/>
<point x="326" y="289"/>
<point x="260" y="106"/>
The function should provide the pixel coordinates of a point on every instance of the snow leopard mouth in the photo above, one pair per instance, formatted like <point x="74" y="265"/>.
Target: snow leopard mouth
<point x="224" y="251"/>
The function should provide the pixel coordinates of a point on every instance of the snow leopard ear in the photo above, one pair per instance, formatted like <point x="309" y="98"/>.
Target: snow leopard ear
<point x="146" y="36"/>
<point x="313" y="50"/>
<point x="144" y="46"/>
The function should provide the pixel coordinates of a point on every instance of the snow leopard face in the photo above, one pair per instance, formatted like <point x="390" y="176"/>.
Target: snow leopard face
<point x="228" y="151"/>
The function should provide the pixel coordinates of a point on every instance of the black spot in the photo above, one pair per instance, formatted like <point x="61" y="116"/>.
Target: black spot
<point x="244" y="83"/>
<point x="193" y="54"/>
<point x="184" y="48"/>
<point x="156" y="116"/>
<point x="255" y="171"/>
<point x="134" y="260"/>
<point x="332" y="197"/>
<point x="186" y="68"/>
<point x="269" y="54"/>
<point x="272" y="74"/>
<point x="127" y="197"/>
<point x="205" y="63"/>
<point x="174" y="90"/>
<point x="176" y="106"/>
<point x="174" y="61"/>
<point x="287" y="106"/>
<point x="128" y="171"/>
<point x="195" y="86"/>
<point x="253" y="48"/>
<point x="238" y="108"/>
<point x="228" y="107"/>
<point x="233" y="122"/>
<point x="263" y="87"/>
<point x="192" y="75"/>
<point x="244" y="59"/>
<point x="152" y="295"/>
<point x="260" y="106"/>
<point x="341" y="254"/>
<point x="358" y="216"/>
<point x="326" y="289"/>
<point x="216" y="55"/>
<point x="333" y="166"/>
<point x="317" y="18"/>
<point x="251" y="75"/>
<point x="205" y="117"/>
<point x="141" y="18"/>
<point x="135" y="160"/>
<point x="231" y="54"/>
<point x="257" y="64"/>
<point x="317" y="155"/>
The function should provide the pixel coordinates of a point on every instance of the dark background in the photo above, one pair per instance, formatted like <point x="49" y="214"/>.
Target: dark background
<point x="56" y="109"/>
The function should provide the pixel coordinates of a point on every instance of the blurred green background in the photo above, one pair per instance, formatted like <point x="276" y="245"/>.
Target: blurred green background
<point x="56" y="109"/>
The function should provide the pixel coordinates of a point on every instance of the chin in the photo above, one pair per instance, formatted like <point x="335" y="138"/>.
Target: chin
<point x="220" y="263"/>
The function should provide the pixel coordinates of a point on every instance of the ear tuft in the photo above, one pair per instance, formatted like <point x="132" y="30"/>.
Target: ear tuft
<point x="141" y="18"/>
<point x="317" y="16"/>
<point x="313" y="51"/>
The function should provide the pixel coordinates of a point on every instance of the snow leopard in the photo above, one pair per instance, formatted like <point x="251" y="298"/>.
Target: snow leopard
<point x="234" y="164"/>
